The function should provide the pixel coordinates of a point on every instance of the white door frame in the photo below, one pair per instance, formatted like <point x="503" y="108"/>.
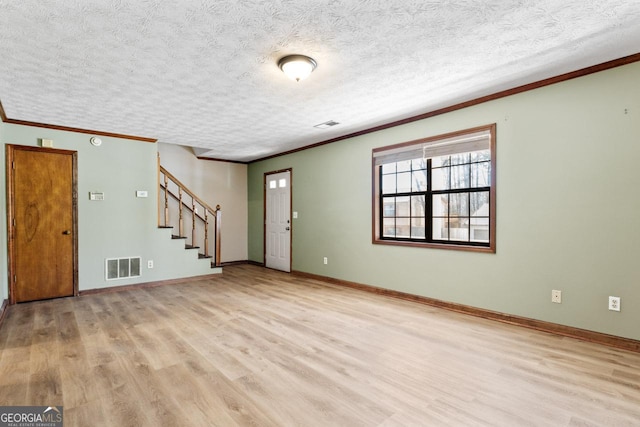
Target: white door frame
<point x="284" y="225"/>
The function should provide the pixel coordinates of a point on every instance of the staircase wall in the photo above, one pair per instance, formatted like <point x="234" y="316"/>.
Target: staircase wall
<point x="216" y="182"/>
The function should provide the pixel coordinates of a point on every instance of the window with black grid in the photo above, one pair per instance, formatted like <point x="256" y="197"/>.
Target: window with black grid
<point x="437" y="191"/>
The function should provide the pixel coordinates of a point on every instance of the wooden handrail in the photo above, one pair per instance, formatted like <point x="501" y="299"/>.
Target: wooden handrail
<point x="185" y="189"/>
<point x="164" y="176"/>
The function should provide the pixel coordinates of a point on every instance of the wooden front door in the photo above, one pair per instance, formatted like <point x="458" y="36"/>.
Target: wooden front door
<point x="42" y="223"/>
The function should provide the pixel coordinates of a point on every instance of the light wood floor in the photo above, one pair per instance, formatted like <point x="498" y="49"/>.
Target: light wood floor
<point x="258" y="347"/>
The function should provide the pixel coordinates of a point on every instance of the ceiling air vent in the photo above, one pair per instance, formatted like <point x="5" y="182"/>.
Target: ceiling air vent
<point x="326" y="125"/>
<point x="122" y="268"/>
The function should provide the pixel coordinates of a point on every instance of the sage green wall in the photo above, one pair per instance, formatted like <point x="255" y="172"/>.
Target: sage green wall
<point x="567" y="208"/>
<point x="120" y="226"/>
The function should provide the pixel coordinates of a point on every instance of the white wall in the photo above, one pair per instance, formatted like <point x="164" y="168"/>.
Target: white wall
<point x="217" y="183"/>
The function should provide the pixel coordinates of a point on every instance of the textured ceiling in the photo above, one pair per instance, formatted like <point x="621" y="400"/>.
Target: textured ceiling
<point x="203" y="73"/>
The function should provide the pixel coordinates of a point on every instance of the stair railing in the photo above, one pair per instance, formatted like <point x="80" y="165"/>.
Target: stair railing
<point x="199" y="211"/>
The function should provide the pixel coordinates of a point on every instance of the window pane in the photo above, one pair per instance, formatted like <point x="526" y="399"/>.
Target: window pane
<point x="439" y="229"/>
<point x="461" y="158"/>
<point x="440" y="204"/>
<point x="480" y="230"/>
<point x="440" y="179"/>
<point x="419" y="180"/>
<point x="389" y="168"/>
<point x="417" y="228"/>
<point x="459" y="229"/>
<point x="418" y="164"/>
<point x="417" y="206"/>
<point x="480" y="203"/>
<point x="460" y="176"/>
<point x="403" y="230"/>
<point x="389" y="207"/>
<point x="272" y="183"/>
<point x="388" y="184"/>
<point x="389" y="227"/>
<point x="402" y="206"/>
<point x="459" y="204"/>
<point x="404" y="166"/>
<point x="404" y="182"/>
<point x="438" y="162"/>
<point x="479" y="156"/>
<point x="480" y="174"/>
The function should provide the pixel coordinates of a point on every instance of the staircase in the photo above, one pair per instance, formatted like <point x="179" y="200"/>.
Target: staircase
<point x="197" y="223"/>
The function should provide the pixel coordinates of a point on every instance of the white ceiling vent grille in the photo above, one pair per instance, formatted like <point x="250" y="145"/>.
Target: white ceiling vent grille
<point x="122" y="268"/>
<point x="326" y="125"/>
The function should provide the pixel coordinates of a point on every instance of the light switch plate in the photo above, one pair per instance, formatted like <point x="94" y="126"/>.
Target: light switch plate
<point x="96" y="196"/>
<point x="142" y="193"/>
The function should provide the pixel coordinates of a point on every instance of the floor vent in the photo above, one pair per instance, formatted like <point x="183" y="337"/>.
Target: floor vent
<point x="122" y="268"/>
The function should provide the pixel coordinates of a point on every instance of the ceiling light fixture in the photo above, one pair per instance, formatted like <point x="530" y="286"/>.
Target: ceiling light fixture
<point x="297" y="67"/>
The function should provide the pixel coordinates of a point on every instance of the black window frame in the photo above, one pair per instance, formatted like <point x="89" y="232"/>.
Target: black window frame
<point x="428" y="240"/>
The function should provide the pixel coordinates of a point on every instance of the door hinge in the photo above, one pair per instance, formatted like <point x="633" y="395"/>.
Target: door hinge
<point x="13" y="165"/>
<point x="15" y="278"/>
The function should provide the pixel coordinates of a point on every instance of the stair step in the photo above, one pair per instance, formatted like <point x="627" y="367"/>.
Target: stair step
<point x="191" y="247"/>
<point x="203" y="256"/>
<point x="174" y="237"/>
<point x="165" y="226"/>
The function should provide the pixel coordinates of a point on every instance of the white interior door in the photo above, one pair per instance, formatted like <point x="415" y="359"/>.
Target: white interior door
<point x="278" y="221"/>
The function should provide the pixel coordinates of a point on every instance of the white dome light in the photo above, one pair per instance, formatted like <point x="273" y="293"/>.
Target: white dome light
<point x="297" y="67"/>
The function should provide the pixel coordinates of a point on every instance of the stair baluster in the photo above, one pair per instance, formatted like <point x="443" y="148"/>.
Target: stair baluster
<point x="206" y="233"/>
<point x="180" y="212"/>
<point x="194" y="214"/>
<point x="166" y="201"/>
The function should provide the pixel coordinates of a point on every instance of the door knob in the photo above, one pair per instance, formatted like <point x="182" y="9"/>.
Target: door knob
<point x="66" y="232"/>
<point x="287" y="228"/>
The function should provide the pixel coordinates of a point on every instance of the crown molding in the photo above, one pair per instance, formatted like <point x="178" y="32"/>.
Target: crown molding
<point x="5" y="119"/>
<point x="502" y="94"/>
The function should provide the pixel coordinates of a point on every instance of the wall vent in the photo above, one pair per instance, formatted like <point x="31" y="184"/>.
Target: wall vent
<point x="122" y="268"/>
<point x="326" y="125"/>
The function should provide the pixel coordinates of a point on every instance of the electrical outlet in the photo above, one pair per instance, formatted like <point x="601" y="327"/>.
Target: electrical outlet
<point x="150" y="263"/>
<point x="614" y="303"/>
<point x="556" y="296"/>
<point x="326" y="261"/>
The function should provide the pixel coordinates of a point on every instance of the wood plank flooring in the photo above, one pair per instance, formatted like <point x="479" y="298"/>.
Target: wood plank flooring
<point x="256" y="347"/>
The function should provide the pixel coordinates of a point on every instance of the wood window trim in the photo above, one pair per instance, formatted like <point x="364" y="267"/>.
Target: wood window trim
<point x="375" y="196"/>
